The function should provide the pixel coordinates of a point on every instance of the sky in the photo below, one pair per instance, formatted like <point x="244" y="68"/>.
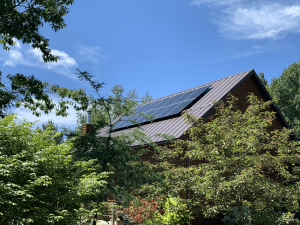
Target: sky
<point x="161" y="46"/>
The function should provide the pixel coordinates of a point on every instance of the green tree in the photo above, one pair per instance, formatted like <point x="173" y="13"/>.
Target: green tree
<point x="22" y="20"/>
<point x="59" y="138"/>
<point x="31" y="93"/>
<point x="116" y="104"/>
<point x="241" y="164"/>
<point x="40" y="183"/>
<point x="113" y="153"/>
<point x="286" y="89"/>
<point x="263" y="80"/>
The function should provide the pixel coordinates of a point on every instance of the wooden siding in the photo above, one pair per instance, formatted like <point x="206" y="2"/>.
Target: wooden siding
<point x="241" y="93"/>
<point x="247" y="87"/>
<point x="244" y="90"/>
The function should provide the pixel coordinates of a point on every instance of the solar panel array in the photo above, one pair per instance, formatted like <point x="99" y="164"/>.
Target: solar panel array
<point x="161" y="108"/>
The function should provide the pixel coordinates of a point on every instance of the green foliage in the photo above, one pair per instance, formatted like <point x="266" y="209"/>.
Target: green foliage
<point x="105" y="110"/>
<point x="147" y="98"/>
<point x="40" y="183"/>
<point x="263" y="80"/>
<point x="286" y="89"/>
<point x="238" y="216"/>
<point x="22" y="19"/>
<point x="59" y="138"/>
<point x="33" y="94"/>
<point x="151" y="222"/>
<point x="243" y="163"/>
<point x="175" y="212"/>
<point x="27" y="91"/>
<point x="113" y="153"/>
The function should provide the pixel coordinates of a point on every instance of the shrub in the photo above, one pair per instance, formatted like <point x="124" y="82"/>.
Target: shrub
<point x="175" y="212"/>
<point x="40" y="183"/>
<point x="144" y="210"/>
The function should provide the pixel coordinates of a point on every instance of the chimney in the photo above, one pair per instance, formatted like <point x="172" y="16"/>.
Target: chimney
<point x="86" y="128"/>
<point x="89" y="117"/>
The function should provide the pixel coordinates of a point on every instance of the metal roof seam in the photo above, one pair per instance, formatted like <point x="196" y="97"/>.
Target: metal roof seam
<point x="176" y="126"/>
<point x="172" y="126"/>
<point x="218" y="94"/>
<point x="194" y="88"/>
<point x="212" y="97"/>
<point x="225" y="87"/>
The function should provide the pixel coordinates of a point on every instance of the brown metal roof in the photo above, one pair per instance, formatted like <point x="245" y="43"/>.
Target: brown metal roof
<point x="176" y="126"/>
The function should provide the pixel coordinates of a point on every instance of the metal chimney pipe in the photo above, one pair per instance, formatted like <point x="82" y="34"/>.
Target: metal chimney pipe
<point x="89" y="117"/>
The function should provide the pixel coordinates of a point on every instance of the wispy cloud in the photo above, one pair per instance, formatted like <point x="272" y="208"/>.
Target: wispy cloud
<point x="241" y="19"/>
<point x="33" y="57"/>
<point x="214" y="2"/>
<point x="93" y="54"/>
<point x="14" y="57"/>
<point x="237" y="54"/>
<point x="266" y="21"/>
<point x="255" y="49"/>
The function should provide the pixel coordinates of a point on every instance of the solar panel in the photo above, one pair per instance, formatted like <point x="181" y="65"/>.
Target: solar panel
<point x="161" y="108"/>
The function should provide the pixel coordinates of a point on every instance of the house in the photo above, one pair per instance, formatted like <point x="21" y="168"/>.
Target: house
<point x="201" y="105"/>
<point x="198" y="101"/>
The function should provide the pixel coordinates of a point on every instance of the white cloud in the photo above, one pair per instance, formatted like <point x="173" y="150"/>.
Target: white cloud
<point x="33" y="57"/>
<point x="62" y="66"/>
<point x="92" y="54"/>
<point x="64" y="59"/>
<point x="214" y="2"/>
<point x="17" y="43"/>
<point x="267" y="21"/>
<point x="242" y="19"/>
<point x="70" y="120"/>
<point x="14" y="57"/>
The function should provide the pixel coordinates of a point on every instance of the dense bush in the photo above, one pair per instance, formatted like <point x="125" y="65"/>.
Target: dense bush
<point x="40" y="183"/>
<point x="175" y="212"/>
<point x="144" y="209"/>
<point x="245" y="163"/>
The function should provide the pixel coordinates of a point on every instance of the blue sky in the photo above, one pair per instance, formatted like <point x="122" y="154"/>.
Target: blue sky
<point x="164" y="46"/>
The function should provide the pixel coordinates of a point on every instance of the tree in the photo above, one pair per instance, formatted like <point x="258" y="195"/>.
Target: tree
<point x="59" y="138"/>
<point x="31" y="93"/>
<point x="263" y="80"/>
<point x="40" y="183"/>
<point x="113" y="153"/>
<point x="242" y="166"/>
<point x="105" y="110"/>
<point x="22" y="19"/>
<point x="286" y="89"/>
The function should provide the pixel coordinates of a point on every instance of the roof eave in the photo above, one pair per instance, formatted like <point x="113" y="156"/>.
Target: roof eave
<point x="264" y="92"/>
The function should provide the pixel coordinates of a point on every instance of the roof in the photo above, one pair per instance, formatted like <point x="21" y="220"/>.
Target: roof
<point x="176" y="126"/>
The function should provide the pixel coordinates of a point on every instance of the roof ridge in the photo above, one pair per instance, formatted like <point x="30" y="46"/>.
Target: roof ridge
<point x="193" y="88"/>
